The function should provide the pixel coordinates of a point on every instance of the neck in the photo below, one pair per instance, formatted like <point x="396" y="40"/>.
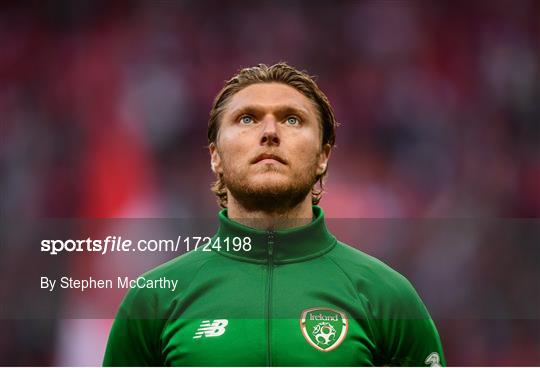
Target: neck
<point x="298" y="215"/>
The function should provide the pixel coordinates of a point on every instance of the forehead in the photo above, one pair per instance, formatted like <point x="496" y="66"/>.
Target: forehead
<point x="271" y="95"/>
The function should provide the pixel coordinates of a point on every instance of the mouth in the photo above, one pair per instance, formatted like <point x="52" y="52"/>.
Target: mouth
<point x="268" y="158"/>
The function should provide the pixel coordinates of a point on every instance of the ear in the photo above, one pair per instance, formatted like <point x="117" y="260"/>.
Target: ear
<point x="323" y="158"/>
<point x="215" y="159"/>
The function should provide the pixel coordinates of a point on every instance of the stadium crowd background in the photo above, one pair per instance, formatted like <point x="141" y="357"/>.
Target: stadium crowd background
<point x="104" y="106"/>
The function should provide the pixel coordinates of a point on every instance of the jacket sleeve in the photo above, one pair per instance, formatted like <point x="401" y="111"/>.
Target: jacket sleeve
<point x="408" y="334"/>
<point x="134" y="339"/>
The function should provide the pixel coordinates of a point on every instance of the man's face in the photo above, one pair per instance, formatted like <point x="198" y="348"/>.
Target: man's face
<point x="269" y="149"/>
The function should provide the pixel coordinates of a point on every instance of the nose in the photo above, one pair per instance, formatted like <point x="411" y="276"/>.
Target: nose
<point x="270" y="134"/>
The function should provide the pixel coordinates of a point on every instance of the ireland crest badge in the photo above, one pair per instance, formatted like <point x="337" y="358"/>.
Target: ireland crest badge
<point x="323" y="328"/>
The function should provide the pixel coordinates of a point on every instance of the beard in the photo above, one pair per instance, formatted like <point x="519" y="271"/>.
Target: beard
<point x="272" y="196"/>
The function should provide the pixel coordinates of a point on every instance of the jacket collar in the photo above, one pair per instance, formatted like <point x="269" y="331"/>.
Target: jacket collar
<point x="278" y="246"/>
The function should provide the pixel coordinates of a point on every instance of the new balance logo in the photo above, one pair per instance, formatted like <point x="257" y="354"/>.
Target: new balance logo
<point x="207" y="329"/>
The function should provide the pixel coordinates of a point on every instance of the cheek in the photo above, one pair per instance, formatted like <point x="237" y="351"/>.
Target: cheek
<point x="305" y="150"/>
<point x="234" y="148"/>
<point x="231" y="139"/>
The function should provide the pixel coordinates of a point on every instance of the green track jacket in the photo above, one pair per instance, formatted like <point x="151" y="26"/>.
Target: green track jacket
<point x="295" y="297"/>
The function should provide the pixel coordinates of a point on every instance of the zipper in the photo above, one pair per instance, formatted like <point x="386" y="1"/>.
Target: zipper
<point x="270" y="242"/>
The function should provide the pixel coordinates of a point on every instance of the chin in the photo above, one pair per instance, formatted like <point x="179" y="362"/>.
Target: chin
<point x="270" y="180"/>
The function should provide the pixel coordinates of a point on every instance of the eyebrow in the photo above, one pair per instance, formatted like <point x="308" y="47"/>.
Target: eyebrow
<point x="280" y="110"/>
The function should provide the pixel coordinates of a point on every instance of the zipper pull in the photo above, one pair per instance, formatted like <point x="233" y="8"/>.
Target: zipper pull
<point x="270" y="242"/>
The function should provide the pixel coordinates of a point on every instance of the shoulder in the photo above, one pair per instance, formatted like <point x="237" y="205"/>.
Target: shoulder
<point x="380" y="284"/>
<point x="365" y="267"/>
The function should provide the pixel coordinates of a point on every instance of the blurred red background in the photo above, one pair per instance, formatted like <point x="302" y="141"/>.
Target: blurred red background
<point x="104" y="108"/>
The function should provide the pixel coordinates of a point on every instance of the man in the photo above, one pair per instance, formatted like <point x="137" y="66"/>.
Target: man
<point x="289" y="294"/>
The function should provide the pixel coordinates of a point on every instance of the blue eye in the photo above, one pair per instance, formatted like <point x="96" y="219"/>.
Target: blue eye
<point x="293" y="120"/>
<point x="246" y="120"/>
